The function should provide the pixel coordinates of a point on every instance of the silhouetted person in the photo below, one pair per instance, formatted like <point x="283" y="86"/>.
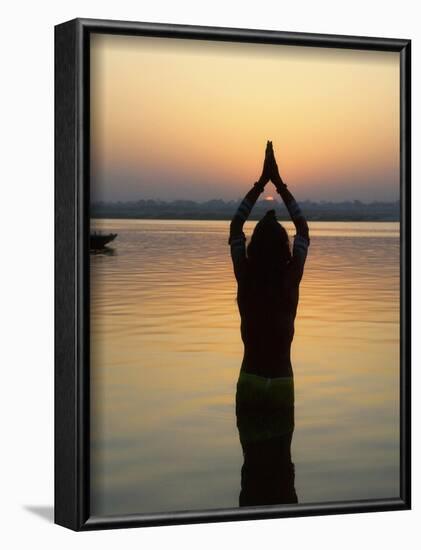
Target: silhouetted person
<point x="268" y="277"/>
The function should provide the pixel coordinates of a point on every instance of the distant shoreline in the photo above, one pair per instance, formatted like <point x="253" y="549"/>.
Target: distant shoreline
<point x="251" y="218"/>
<point x="219" y="210"/>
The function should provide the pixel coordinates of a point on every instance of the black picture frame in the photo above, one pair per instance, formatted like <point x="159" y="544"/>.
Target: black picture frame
<point x="72" y="407"/>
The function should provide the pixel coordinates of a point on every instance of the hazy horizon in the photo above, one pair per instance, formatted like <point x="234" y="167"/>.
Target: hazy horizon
<point x="182" y="119"/>
<point x="268" y="200"/>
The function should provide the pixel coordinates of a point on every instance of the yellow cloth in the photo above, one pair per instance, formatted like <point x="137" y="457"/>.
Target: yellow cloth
<point x="265" y="407"/>
<point x="257" y="390"/>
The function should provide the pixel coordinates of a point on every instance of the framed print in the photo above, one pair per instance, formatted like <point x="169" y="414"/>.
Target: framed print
<point x="232" y="274"/>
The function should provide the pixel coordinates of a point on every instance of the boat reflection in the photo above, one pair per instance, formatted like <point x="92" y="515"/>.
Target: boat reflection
<point x="105" y="251"/>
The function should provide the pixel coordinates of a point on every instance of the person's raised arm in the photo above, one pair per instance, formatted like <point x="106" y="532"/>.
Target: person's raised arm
<point x="302" y="238"/>
<point x="243" y="211"/>
<point x="237" y="238"/>
<point x="291" y="204"/>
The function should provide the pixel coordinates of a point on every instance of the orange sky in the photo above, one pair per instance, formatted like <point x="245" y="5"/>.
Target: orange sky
<point x="175" y="119"/>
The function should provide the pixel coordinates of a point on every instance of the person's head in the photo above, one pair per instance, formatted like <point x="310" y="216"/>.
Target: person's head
<point x="269" y="252"/>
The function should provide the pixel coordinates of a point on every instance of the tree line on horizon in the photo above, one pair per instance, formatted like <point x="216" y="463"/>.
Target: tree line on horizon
<point x="218" y="209"/>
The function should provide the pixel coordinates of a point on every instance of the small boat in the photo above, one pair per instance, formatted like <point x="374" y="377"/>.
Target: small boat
<point x="98" y="241"/>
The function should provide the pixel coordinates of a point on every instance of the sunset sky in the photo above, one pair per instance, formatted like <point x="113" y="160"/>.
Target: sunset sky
<point x="187" y="119"/>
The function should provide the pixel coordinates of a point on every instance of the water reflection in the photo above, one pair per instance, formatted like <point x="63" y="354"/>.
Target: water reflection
<point x="265" y="422"/>
<point x="104" y="251"/>
<point x="165" y="353"/>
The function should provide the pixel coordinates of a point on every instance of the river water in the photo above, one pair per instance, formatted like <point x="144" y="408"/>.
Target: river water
<point x="166" y="352"/>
